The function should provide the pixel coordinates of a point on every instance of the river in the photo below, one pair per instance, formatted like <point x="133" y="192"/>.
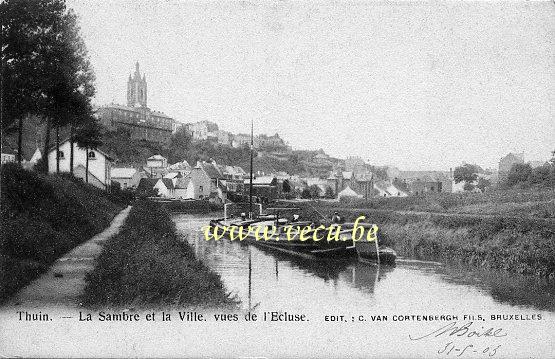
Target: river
<point x="266" y="281"/>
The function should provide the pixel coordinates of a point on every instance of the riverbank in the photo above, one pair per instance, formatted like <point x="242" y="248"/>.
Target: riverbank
<point x="147" y="265"/>
<point x="43" y="217"/>
<point x="492" y="240"/>
<point x="539" y="203"/>
<point x="63" y="283"/>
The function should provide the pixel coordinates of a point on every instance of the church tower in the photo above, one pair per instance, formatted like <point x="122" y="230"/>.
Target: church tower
<point x="136" y="89"/>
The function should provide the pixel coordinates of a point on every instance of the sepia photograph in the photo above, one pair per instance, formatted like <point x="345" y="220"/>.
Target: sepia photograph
<point x="277" y="179"/>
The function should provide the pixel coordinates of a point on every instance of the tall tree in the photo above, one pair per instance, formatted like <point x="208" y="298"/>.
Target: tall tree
<point x="180" y="143"/>
<point x="46" y="69"/>
<point x="466" y="173"/>
<point x="519" y="173"/>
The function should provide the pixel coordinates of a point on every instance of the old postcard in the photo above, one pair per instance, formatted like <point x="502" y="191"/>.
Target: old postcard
<point x="277" y="179"/>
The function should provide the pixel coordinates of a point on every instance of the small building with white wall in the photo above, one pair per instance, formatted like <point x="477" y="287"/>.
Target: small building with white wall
<point x="195" y="185"/>
<point x="100" y="164"/>
<point x="127" y="177"/>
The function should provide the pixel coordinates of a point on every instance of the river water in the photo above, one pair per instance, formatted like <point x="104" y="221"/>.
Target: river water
<point x="266" y="281"/>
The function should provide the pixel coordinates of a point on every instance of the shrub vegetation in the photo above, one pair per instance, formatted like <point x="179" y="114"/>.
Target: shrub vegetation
<point x="514" y="243"/>
<point x="147" y="265"/>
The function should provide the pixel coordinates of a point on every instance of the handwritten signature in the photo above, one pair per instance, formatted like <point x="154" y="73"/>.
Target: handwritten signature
<point x="452" y="329"/>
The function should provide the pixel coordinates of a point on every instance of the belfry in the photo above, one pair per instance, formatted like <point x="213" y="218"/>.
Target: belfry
<point x="136" y="89"/>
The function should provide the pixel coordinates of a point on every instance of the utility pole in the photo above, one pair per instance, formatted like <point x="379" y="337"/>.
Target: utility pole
<point x="250" y="190"/>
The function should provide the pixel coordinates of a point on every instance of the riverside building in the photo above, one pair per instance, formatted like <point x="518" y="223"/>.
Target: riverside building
<point x="136" y="117"/>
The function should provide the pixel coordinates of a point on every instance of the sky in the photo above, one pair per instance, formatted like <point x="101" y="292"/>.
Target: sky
<point x="420" y="86"/>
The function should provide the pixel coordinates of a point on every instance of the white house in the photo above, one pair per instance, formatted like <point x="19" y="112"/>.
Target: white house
<point x="388" y="189"/>
<point x="127" y="177"/>
<point x="174" y="176"/>
<point x="37" y="155"/>
<point x="100" y="166"/>
<point x="165" y="188"/>
<point x="348" y="193"/>
<point x="182" y="167"/>
<point x="157" y="161"/>
<point x="8" y="157"/>
<point x="195" y="185"/>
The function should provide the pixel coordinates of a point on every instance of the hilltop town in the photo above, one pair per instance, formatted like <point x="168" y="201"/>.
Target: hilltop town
<point x="152" y="153"/>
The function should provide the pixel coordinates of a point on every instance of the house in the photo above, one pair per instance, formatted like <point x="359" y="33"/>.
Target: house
<point x="388" y="189"/>
<point x="241" y="140"/>
<point x="215" y="172"/>
<point x="146" y="186"/>
<point x="348" y="193"/>
<point x="234" y="179"/>
<point x="165" y="187"/>
<point x="156" y="166"/>
<point x="234" y="173"/>
<point x="100" y="164"/>
<point x="322" y="184"/>
<point x="265" y="187"/>
<point x="127" y="177"/>
<point x="28" y="161"/>
<point x="203" y="130"/>
<point x="354" y="164"/>
<point x="346" y="178"/>
<point x="157" y="161"/>
<point x="422" y="187"/>
<point x="174" y="176"/>
<point x="182" y="167"/>
<point x="507" y="162"/>
<point x="37" y="155"/>
<point x="195" y="185"/>
<point x="8" y="157"/>
<point x="224" y="138"/>
<point x="265" y="141"/>
<point x="444" y="177"/>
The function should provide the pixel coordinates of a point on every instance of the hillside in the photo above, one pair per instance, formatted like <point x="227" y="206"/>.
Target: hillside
<point x="43" y="217"/>
<point x="131" y="152"/>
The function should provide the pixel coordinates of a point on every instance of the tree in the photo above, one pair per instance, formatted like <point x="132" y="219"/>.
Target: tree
<point x="306" y="193"/>
<point x="329" y="192"/>
<point x="89" y="136"/>
<point x="466" y="173"/>
<point x="180" y="143"/>
<point x="45" y="67"/>
<point x="286" y="186"/>
<point x="483" y="183"/>
<point x="468" y="186"/>
<point x="519" y="173"/>
<point x="314" y="191"/>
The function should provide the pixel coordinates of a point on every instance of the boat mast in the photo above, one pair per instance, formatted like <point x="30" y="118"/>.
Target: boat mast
<point x="250" y="189"/>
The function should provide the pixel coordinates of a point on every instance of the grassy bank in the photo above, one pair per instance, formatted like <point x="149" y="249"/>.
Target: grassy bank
<point x="191" y="206"/>
<point x="530" y="203"/>
<point x="525" y="245"/>
<point x="43" y="217"/>
<point x="147" y="265"/>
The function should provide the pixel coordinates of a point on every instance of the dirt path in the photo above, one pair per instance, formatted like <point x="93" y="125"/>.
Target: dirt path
<point x="64" y="282"/>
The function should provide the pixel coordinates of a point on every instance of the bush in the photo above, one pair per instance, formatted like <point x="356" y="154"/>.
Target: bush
<point x="513" y="243"/>
<point x="146" y="264"/>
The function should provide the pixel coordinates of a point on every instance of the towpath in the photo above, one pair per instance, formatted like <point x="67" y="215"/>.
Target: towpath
<point x="64" y="282"/>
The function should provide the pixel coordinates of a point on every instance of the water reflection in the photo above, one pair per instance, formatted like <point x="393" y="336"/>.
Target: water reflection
<point x="262" y="277"/>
